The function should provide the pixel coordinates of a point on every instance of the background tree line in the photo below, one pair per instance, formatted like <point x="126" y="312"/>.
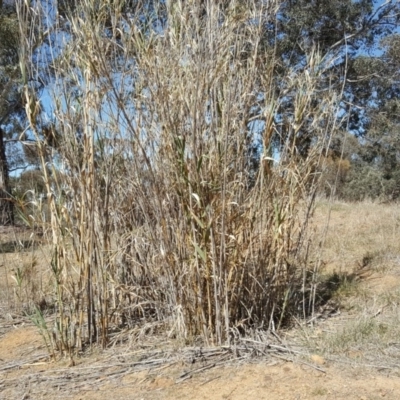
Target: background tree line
<point x="363" y="36"/>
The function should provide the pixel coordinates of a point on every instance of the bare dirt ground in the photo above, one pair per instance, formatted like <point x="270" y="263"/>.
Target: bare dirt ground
<point x="351" y="353"/>
<point x="26" y="374"/>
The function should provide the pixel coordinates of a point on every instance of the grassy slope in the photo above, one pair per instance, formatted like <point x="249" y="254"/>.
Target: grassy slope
<point x="362" y="246"/>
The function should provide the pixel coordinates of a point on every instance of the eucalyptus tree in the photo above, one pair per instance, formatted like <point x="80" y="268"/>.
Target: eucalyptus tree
<point x="10" y="101"/>
<point x="376" y="159"/>
<point x="18" y="148"/>
<point x="344" y="31"/>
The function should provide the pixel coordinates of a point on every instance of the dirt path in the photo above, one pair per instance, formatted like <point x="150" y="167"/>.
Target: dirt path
<point x="26" y="374"/>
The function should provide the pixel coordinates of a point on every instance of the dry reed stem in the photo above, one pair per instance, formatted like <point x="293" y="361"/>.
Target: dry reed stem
<point x="170" y="205"/>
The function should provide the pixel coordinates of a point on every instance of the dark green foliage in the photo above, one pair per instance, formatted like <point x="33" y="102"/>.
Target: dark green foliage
<point x="375" y="161"/>
<point x="9" y="102"/>
<point x="346" y="32"/>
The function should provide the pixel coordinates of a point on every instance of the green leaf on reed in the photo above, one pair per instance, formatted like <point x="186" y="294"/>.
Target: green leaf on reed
<point x="200" y="252"/>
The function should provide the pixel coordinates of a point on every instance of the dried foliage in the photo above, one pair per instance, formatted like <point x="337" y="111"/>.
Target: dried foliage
<point x="175" y="207"/>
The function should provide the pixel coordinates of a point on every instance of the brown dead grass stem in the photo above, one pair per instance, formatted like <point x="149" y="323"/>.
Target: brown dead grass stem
<point x="162" y="212"/>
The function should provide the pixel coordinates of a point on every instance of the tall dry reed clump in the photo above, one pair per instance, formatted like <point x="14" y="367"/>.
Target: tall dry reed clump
<point x="184" y="194"/>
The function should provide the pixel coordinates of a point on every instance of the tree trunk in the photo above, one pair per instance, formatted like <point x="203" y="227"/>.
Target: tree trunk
<point x="6" y="202"/>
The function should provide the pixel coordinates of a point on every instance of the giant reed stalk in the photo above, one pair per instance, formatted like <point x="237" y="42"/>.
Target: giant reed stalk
<point x="185" y="193"/>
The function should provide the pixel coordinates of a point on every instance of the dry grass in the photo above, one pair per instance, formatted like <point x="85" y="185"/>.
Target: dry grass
<point x="24" y="275"/>
<point x="362" y="247"/>
<point x="360" y="235"/>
